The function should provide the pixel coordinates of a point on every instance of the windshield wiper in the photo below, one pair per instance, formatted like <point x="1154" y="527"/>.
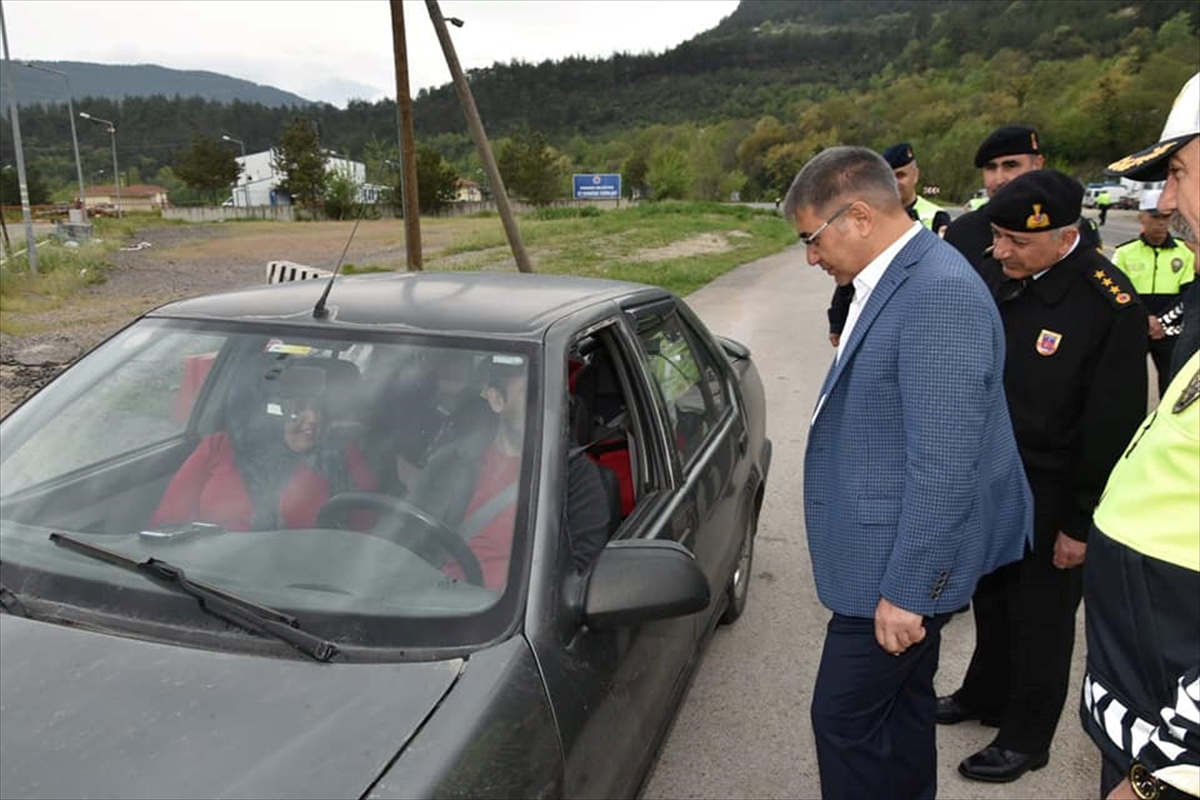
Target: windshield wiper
<point x="218" y="602"/>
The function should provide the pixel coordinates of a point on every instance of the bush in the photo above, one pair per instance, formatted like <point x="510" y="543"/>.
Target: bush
<point x="563" y="212"/>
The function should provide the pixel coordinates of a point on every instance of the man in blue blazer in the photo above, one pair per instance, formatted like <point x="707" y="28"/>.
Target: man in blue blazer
<point x="913" y="486"/>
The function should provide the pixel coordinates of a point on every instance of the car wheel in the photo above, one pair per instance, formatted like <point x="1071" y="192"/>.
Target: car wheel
<point x="738" y="588"/>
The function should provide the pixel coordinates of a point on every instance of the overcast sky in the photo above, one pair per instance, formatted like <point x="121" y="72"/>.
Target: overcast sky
<point x="335" y="50"/>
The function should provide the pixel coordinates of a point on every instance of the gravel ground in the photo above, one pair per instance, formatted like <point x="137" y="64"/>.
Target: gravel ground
<point x="138" y="281"/>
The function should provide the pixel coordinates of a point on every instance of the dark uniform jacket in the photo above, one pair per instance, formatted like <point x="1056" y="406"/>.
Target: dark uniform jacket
<point x="971" y="234"/>
<point x="1188" y="340"/>
<point x="1075" y="374"/>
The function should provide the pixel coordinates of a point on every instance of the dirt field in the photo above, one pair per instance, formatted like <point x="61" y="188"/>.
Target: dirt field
<point x="186" y="261"/>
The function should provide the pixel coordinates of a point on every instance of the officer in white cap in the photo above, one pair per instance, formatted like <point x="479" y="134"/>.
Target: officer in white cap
<point x="1160" y="268"/>
<point x="1141" y="694"/>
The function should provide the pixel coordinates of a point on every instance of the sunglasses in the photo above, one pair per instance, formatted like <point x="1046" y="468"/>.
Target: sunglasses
<point x="809" y="239"/>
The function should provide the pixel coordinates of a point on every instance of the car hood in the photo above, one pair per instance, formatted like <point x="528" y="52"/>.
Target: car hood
<point x="85" y="714"/>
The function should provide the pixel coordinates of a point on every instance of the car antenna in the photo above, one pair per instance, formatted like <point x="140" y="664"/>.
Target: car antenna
<point x="319" y="310"/>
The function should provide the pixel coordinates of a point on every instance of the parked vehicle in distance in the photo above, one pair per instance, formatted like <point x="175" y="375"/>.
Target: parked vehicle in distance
<point x="372" y="648"/>
<point x="1122" y="196"/>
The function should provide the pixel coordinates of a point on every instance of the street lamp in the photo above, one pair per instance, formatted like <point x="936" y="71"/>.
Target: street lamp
<point x="246" y="188"/>
<point x="112" y="132"/>
<point x="74" y="138"/>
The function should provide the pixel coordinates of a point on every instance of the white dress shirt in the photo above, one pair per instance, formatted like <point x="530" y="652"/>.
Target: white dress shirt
<point x="866" y="280"/>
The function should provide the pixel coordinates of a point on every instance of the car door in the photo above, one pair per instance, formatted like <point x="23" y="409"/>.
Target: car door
<point x="707" y="437"/>
<point x="614" y="692"/>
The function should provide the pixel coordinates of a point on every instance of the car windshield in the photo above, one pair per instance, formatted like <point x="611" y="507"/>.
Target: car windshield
<point x="364" y="483"/>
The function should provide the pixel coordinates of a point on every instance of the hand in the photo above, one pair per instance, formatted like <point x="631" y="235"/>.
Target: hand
<point x="834" y="338"/>
<point x="1123" y="791"/>
<point x="1068" y="552"/>
<point x="896" y="630"/>
<point x="1156" y="328"/>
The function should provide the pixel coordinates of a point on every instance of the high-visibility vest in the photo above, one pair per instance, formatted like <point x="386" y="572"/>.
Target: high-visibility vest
<point x="926" y="211"/>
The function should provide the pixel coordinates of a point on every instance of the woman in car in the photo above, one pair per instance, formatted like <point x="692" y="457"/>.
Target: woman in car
<point x="271" y="470"/>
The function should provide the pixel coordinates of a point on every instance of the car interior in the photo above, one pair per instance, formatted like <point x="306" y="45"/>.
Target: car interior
<point x="600" y="420"/>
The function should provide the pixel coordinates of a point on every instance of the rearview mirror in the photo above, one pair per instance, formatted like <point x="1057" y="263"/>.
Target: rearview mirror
<point x="642" y="580"/>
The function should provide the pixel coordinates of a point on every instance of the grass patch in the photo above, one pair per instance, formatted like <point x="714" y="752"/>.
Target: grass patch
<point x="677" y="245"/>
<point x="563" y="212"/>
<point x="365" y="269"/>
<point x="62" y="272"/>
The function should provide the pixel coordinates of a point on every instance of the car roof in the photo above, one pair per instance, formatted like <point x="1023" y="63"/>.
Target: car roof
<point x="504" y="303"/>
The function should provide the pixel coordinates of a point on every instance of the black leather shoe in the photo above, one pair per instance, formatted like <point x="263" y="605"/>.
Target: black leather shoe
<point x="952" y="712"/>
<point x="996" y="765"/>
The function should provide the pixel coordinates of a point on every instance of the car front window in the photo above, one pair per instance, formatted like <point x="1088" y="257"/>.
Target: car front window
<point x="367" y="484"/>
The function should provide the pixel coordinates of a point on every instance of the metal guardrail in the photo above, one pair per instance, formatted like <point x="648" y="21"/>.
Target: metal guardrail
<point x="285" y="271"/>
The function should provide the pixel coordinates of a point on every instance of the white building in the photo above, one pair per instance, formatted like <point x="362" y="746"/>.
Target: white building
<point x="258" y="183"/>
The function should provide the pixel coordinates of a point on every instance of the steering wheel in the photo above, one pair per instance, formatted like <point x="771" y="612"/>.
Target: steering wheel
<point x="444" y="540"/>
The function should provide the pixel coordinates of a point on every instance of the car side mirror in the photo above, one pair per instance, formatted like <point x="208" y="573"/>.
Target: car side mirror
<point x="643" y="580"/>
<point x="734" y="349"/>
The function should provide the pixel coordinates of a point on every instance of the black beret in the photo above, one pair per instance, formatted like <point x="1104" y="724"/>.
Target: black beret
<point x="898" y="155"/>
<point x="1011" y="140"/>
<point x="1042" y="200"/>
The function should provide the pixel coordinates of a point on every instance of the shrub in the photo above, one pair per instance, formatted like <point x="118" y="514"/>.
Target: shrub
<point x="563" y="212"/>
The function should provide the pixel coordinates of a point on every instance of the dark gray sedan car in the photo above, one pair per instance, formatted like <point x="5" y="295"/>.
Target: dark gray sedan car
<point x="441" y="535"/>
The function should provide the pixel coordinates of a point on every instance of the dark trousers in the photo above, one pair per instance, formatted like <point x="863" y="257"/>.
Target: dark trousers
<point x="873" y="713"/>
<point x="1161" y="351"/>
<point x="1103" y="214"/>
<point x="1024" y="635"/>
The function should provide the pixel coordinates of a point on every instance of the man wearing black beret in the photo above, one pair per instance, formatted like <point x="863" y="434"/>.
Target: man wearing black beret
<point x="1075" y="377"/>
<point x="1006" y="153"/>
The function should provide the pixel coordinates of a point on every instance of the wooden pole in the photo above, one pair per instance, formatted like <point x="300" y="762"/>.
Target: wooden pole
<point x="408" y="146"/>
<point x="480" y="136"/>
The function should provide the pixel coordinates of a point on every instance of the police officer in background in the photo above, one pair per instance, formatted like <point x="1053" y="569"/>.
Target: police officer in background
<point x="1075" y="377"/>
<point x="1006" y="153"/>
<point x="903" y="161"/>
<point x="904" y="166"/>
<point x="1160" y="267"/>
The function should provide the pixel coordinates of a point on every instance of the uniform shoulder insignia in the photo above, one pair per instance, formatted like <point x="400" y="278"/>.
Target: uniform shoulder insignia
<point x="1128" y="241"/>
<point x="1113" y="284"/>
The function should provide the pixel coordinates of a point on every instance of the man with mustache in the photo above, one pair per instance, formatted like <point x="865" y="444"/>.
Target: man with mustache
<point x="1141" y="693"/>
<point x="1075" y="378"/>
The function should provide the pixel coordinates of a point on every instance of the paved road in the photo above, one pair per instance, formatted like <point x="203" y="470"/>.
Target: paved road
<point x="744" y="731"/>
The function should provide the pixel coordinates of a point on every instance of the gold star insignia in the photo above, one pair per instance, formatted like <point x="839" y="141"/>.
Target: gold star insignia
<point x="1107" y="282"/>
<point x="1099" y="273"/>
<point x="1115" y="289"/>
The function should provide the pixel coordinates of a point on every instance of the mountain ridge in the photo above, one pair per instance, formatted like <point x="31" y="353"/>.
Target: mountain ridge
<point x="120" y="81"/>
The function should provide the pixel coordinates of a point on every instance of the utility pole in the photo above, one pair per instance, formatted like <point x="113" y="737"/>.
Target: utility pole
<point x="481" y="141"/>
<point x="74" y="138"/>
<point x="30" y="241"/>
<point x="408" y="147"/>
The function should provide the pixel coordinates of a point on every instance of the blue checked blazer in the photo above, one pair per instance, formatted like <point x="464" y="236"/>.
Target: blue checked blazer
<point x="913" y="487"/>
